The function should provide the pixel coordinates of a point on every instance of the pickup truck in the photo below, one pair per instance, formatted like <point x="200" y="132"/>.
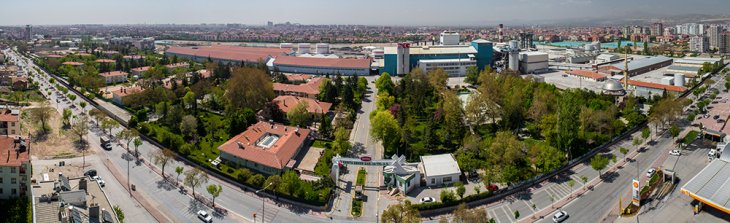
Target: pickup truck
<point x="106" y="143"/>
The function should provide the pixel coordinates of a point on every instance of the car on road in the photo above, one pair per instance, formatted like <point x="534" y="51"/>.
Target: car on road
<point x="105" y="143"/>
<point x="560" y="216"/>
<point x="427" y="200"/>
<point x="650" y="172"/>
<point x="91" y="173"/>
<point x="204" y="216"/>
<point x="99" y="181"/>
<point x="675" y="152"/>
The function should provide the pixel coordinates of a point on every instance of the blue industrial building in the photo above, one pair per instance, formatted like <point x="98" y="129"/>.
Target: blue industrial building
<point x="452" y="58"/>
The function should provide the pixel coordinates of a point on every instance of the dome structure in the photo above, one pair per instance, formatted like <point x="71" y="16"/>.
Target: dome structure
<point x="613" y="87"/>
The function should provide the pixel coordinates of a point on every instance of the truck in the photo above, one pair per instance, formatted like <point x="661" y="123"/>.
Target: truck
<point x="105" y="143"/>
<point x="717" y="151"/>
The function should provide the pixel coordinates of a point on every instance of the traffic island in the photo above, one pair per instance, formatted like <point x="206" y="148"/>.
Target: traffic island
<point x="358" y="196"/>
<point x="645" y="194"/>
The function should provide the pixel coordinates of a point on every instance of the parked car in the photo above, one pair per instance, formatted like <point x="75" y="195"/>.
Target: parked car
<point x="675" y="152"/>
<point x="204" y="216"/>
<point x="650" y="172"/>
<point x="560" y="216"/>
<point x="99" y="181"/>
<point x="105" y="143"/>
<point x="427" y="200"/>
<point x="91" y="173"/>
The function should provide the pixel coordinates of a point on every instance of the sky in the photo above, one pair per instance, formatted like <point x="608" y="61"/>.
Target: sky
<point x="367" y="12"/>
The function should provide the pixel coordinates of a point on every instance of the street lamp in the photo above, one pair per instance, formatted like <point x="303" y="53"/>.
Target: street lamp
<point x="263" y="207"/>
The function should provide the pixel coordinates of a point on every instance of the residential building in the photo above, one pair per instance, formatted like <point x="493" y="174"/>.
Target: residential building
<point x="713" y="35"/>
<point x="266" y="147"/>
<point x="15" y="168"/>
<point x="699" y="44"/>
<point x="309" y="89"/>
<point x="315" y="107"/>
<point x="9" y="122"/>
<point x="145" y="43"/>
<point x="119" y="95"/>
<point x="440" y="170"/>
<point x="177" y="65"/>
<point x="724" y="43"/>
<point x="657" y="29"/>
<point x="114" y="77"/>
<point x="62" y="199"/>
<point x="137" y="72"/>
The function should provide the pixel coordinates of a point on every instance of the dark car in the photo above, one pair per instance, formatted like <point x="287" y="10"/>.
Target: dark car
<point x="91" y="173"/>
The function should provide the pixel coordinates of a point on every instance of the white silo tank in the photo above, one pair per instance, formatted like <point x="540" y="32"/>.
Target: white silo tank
<point x="513" y="44"/>
<point x="304" y="48"/>
<point x="322" y="48"/>
<point x="403" y="59"/>
<point x="678" y="79"/>
<point x="514" y="60"/>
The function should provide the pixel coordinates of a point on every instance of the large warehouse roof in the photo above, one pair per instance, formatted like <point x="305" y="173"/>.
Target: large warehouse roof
<point x="322" y="62"/>
<point x="712" y="185"/>
<point x="234" y="53"/>
<point x="458" y="49"/>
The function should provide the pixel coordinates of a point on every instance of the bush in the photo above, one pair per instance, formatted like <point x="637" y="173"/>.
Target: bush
<point x="257" y="180"/>
<point x="447" y="196"/>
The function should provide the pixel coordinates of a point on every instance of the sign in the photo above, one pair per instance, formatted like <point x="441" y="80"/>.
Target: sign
<point x="635" y="196"/>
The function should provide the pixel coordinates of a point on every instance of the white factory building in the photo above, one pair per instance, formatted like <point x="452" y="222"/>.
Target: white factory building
<point x="440" y="170"/>
<point x="533" y="62"/>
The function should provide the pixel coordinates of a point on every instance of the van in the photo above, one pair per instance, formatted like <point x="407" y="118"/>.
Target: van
<point x="105" y="143"/>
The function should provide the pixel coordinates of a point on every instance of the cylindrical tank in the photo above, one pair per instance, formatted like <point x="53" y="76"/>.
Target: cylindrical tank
<point x="322" y="48"/>
<point x="678" y="79"/>
<point x="513" y="44"/>
<point x="304" y="48"/>
<point x="286" y="45"/>
<point x="514" y="60"/>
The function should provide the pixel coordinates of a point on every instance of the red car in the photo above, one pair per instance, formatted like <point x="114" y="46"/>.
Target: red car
<point x="492" y="187"/>
<point x="365" y="158"/>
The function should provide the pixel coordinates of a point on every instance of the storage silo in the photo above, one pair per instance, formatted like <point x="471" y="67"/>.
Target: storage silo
<point x="678" y="79"/>
<point x="513" y="44"/>
<point x="514" y="56"/>
<point x="304" y="48"/>
<point x="322" y="48"/>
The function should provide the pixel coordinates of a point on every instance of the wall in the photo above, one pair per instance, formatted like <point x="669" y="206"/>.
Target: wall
<point x="322" y="70"/>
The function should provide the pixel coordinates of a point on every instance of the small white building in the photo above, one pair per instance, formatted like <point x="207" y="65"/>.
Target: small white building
<point x="454" y="67"/>
<point x="401" y="175"/>
<point x="440" y="170"/>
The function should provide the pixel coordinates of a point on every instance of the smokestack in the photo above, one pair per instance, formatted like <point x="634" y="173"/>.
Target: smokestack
<point x="500" y="33"/>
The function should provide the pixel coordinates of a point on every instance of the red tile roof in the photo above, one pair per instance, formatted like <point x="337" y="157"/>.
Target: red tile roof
<point x="72" y="63"/>
<point x="656" y="86"/>
<point x="322" y="62"/>
<point x="53" y="56"/>
<point x="277" y="156"/>
<point x="176" y="65"/>
<point x="9" y="157"/>
<point x="287" y="102"/>
<point x="113" y="73"/>
<point x="127" y="91"/>
<point x="204" y="73"/>
<point x="235" y="53"/>
<point x="311" y="87"/>
<point x="133" y="57"/>
<point x="7" y="116"/>
<point x="298" y="77"/>
<point x="587" y="73"/>
<point x="141" y="69"/>
<point x="105" y="61"/>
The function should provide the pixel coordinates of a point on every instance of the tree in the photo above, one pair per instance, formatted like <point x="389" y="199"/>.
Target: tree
<point x="645" y="133"/>
<point x="162" y="157"/>
<point x="517" y="215"/>
<point x="472" y="75"/>
<point x="82" y="104"/>
<point x="189" y="101"/>
<point x="214" y="191"/>
<point x="299" y="115"/>
<point x="137" y="143"/>
<point x="463" y="214"/>
<point x="274" y="181"/>
<point x="385" y="128"/>
<point x="571" y="183"/>
<point x="447" y="196"/>
<point x="80" y="128"/>
<point x="674" y="131"/>
<point x="42" y="114"/>
<point x="438" y="79"/>
<point x="624" y="151"/>
<point x="179" y="170"/>
<point x="460" y="190"/>
<point x="249" y="88"/>
<point x="195" y="177"/>
<point x="384" y="84"/>
<point x="128" y="135"/>
<point x="97" y="115"/>
<point x="584" y="179"/>
<point x="109" y="124"/>
<point x="67" y="116"/>
<point x="401" y="213"/>
<point x="325" y="126"/>
<point x="189" y="126"/>
<point x="599" y="162"/>
<point x="290" y="182"/>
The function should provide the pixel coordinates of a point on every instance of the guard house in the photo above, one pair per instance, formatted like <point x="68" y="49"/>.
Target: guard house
<point x="713" y="135"/>
<point x="401" y="175"/>
<point x="440" y="169"/>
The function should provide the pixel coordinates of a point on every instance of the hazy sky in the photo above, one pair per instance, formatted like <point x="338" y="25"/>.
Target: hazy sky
<point x="382" y="12"/>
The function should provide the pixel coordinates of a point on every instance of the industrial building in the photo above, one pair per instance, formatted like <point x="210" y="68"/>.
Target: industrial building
<point x="226" y="54"/>
<point x="533" y="62"/>
<point x="637" y="66"/>
<point x="440" y="170"/>
<point x="401" y="59"/>
<point x="649" y="89"/>
<point x="690" y="66"/>
<point x="320" y="66"/>
<point x="710" y="186"/>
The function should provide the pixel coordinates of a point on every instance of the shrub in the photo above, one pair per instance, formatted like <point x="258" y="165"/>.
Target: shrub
<point x="447" y="196"/>
<point x="257" y="180"/>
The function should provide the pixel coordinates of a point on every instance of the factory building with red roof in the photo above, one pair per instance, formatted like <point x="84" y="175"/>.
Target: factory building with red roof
<point x="322" y="66"/>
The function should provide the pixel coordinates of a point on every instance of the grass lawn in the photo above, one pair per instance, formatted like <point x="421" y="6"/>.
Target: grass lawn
<point x="26" y="95"/>
<point x="691" y="136"/>
<point x="356" y="208"/>
<point x="361" y="175"/>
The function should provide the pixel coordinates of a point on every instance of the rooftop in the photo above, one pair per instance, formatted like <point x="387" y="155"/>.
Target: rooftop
<point x="311" y="87"/>
<point x="72" y="63"/>
<point x="287" y="102"/>
<point x="113" y="73"/>
<point x="7" y="115"/>
<point x="641" y="62"/>
<point x="176" y="65"/>
<point x="711" y="185"/>
<point x="323" y="62"/>
<point x="141" y="69"/>
<point x="234" y="53"/>
<point x="14" y="152"/>
<point x="268" y="144"/>
<point x="587" y="73"/>
<point x="656" y="86"/>
<point x="439" y="165"/>
<point x="451" y="49"/>
<point x="105" y="61"/>
<point x="121" y="92"/>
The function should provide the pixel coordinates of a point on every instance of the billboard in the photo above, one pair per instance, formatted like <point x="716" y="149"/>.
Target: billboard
<point x="635" y="196"/>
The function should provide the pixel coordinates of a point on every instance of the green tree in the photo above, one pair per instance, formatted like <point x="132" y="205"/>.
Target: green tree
<point x="447" y="196"/>
<point x="401" y="213"/>
<point x="299" y="115"/>
<point x="195" y="177"/>
<point x="189" y="126"/>
<point x="189" y="101"/>
<point x="463" y="214"/>
<point x="67" y="116"/>
<point x="472" y="75"/>
<point x="274" y="181"/>
<point x="109" y="124"/>
<point x="599" y="162"/>
<point x="42" y="114"/>
<point x="248" y="88"/>
<point x="674" y="131"/>
<point x="385" y="128"/>
<point x="584" y="179"/>
<point x="162" y="157"/>
<point x="645" y="133"/>
<point x="137" y="143"/>
<point x="290" y="182"/>
<point x="571" y="183"/>
<point x="384" y="84"/>
<point x="179" y="170"/>
<point x="214" y="191"/>
<point x="624" y="151"/>
<point x="460" y="189"/>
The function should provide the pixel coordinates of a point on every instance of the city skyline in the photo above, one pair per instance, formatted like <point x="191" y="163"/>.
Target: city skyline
<point x="376" y="12"/>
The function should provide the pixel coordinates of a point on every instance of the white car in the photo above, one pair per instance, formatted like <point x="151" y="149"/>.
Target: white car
<point x="99" y="181"/>
<point x="560" y="216"/>
<point x="204" y="216"/>
<point x="427" y="200"/>
<point x="675" y="153"/>
<point x="650" y="172"/>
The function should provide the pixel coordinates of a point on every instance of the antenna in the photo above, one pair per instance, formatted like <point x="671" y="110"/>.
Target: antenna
<point x="626" y="70"/>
